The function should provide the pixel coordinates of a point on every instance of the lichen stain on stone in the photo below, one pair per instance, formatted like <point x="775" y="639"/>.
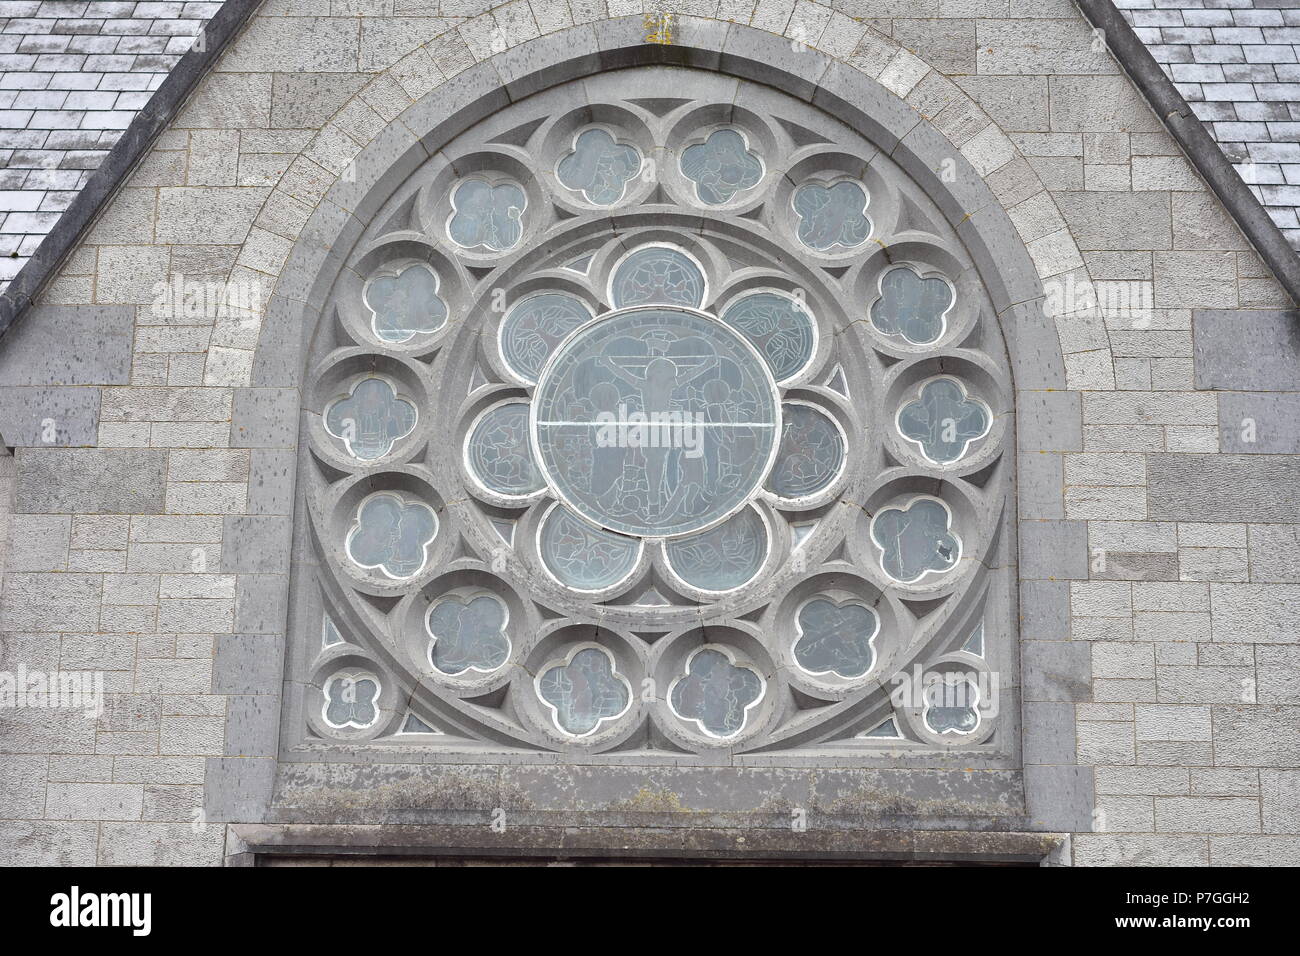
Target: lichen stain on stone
<point x="869" y="802"/>
<point x="647" y="800"/>
<point x="444" y="791"/>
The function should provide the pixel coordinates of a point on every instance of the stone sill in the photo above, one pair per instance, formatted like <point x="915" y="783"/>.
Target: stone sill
<point x="280" y="844"/>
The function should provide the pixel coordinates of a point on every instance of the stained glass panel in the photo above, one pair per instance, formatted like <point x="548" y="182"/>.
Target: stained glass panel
<point x="655" y="422"/>
<point x="721" y="167"/>
<point x="599" y="167"/>
<point x="499" y="453"/>
<point x="811" y="454"/>
<point x="722" y="558"/>
<point x="584" y="691"/>
<point x="781" y="328"/>
<point x="583" y="557"/>
<point x="657" y="275"/>
<point x="535" y="326"/>
<point x="370" y="420"/>
<point x="715" y="693"/>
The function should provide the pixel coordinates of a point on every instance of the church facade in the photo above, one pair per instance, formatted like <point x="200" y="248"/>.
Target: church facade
<point x="603" y="430"/>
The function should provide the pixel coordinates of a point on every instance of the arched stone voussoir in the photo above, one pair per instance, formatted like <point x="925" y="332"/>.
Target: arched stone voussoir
<point x="841" y="88"/>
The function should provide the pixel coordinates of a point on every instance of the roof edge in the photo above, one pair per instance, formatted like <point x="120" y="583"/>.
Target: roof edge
<point x="1190" y="133"/>
<point x="125" y="155"/>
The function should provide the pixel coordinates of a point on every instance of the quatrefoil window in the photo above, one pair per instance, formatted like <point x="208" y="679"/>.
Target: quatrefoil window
<point x="486" y="215"/>
<point x="911" y="306"/>
<point x="618" y="455"/>
<point x="351" y="701"/>
<point x="599" y="167"/>
<point x="836" y="638"/>
<point x="716" y="693"/>
<point x="584" y="691"/>
<point x="832" y="217"/>
<point x="916" y="540"/>
<point x="944" y="421"/>
<point x="468" y="634"/>
<point x="405" y="303"/>
<point x="392" y="535"/>
<point x="370" y="419"/>
<point x="721" y="167"/>
<point x="952" y="705"/>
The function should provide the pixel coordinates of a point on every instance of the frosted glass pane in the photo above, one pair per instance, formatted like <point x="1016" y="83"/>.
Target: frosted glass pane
<point x="534" y="327"/>
<point x="811" y="453"/>
<point x="486" y="215"/>
<point x="915" y="540"/>
<point x="831" y="216"/>
<point x="716" y="693"/>
<point x="836" y="638"/>
<point x="392" y="535"/>
<point x="943" y="421"/>
<point x="583" y="692"/>
<point x="499" y="453"/>
<point x="911" y="306"/>
<point x="405" y="305"/>
<point x="888" y="729"/>
<point x="468" y="634"/>
<point x="724" y="557"/>
<point x="780" y="329"/>
<point x="951" y="707"/>
<point x="351" y="701"/>
<point x="657" y="275"/>
<point x="721" y="166"/>
<point x="656" y="422"/>
<point x="583" y="557"/>
<point x="370" y="420"/>
<point x="599" y="167"/>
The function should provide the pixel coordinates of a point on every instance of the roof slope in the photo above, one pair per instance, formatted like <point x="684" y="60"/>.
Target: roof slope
<point x="1235" y="62"/>
<point x="74" y="74"/>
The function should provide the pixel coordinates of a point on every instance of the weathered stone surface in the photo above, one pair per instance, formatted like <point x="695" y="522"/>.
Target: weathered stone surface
<point x="35" y="415"/>
<point x="1259" y="423"/>
<point x="1115" y="220"/>
<point x="1257" y="736"/>
<point x="91" y="481"/>
<point x="1247" y="351"/>
<point x="1256" y="613"/>
<point x="69" y="345"/>
<point x="1224" y="488"/>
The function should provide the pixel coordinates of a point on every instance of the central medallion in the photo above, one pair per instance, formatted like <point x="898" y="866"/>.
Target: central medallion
<point x="655" y="421"/>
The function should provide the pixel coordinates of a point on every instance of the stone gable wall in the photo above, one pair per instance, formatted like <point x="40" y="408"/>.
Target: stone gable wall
<point x="1159" y="541"/>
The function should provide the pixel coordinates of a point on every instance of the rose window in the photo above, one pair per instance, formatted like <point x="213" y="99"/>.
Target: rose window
<point x="656" y="425"/>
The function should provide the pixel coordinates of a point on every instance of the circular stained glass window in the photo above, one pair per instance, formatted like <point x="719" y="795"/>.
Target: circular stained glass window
<point x="591" y="423"/>
<point x="656" y="422"/>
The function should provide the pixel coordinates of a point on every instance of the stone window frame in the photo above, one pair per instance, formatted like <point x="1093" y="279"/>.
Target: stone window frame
<point x="1051" y="792"/>
<point x="459" y="362"/>
<point x="756" y="229"/>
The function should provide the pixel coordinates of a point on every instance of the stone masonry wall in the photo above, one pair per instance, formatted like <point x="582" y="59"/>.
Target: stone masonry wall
<point x="1159" y="538"/>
